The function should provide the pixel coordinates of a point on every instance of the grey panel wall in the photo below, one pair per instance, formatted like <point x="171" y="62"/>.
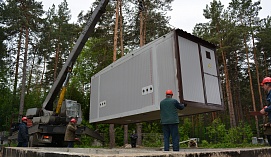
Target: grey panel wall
<point x="166" y="68"/>
<point x="126" y="87"/>
<point x="94" y="98"/>
<point x="191" y="71"/>
<point x="125" y="92"/>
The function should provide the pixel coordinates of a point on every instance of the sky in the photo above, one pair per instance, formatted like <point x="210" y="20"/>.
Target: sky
<point x="185" y="14"/>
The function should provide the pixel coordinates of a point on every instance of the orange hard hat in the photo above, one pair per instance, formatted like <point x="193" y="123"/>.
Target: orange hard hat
<point x="266" y="80"/>
<point x="73" y="120"/>
<point x="24" y="118"/>
<point x="169" y="92"/>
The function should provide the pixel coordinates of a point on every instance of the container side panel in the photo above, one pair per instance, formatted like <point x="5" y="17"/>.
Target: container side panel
<point x="191" y="71"/>
<point x="122" y="85"/>
<point x="166" y="68"/>
<point x="130" y="89"/>
<point x="208" y="61"/>
<point x="212" y="89"/>
<point x="94" y="97"/>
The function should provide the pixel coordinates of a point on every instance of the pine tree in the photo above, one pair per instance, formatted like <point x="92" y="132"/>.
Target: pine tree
<point x="243" y="12"/>
<point x="215" y="32"/>
<point x="263" y="37"/>
<point x="21" y="20"/>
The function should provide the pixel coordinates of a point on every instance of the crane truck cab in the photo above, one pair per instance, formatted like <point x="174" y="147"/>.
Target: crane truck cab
<point x="69" y="109"/>
<point x="48" y="128"/>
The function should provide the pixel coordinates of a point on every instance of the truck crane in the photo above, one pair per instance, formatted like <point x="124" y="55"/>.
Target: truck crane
<point x="48" y="126"/>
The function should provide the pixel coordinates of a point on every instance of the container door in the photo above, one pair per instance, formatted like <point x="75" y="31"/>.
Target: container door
<point x="191" y="74"/>
<point x="211" y="81"/>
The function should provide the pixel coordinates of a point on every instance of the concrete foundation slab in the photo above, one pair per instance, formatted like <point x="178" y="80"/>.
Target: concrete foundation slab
<point x="137" y="152"/>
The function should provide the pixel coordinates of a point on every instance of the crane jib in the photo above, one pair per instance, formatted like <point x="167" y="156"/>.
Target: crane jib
<point x="80" y="43"/>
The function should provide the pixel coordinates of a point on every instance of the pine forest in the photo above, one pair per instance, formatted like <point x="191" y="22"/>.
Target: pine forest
<point x="35" y="43"/>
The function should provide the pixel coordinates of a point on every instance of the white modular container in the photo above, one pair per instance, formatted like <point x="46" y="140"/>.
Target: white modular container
<point x="130" y="89"/>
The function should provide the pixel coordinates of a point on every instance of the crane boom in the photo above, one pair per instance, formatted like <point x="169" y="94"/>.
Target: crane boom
<point x="80" y="43"/>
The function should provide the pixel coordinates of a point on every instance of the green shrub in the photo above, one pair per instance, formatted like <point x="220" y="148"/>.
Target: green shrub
<point x="85" y="142"/>
<point x="203" y="143"/>
<point x="227" y="138"/>
<point x="185" y="129"/>
<point x="216" y="131"/>
<point x="153" y="140"/>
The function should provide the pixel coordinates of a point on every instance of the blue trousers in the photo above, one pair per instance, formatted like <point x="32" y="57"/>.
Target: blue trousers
<point x="70" y="144"/>
<point x="171" y="129"/>
<point x="22" y="144"/>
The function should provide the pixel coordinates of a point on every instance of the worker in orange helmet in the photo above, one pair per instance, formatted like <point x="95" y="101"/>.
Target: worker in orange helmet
<point x="266" y="85"/>
<point x="23" y="133"/>
<point x="70" y="133"/>
<point x="169" y="119"/>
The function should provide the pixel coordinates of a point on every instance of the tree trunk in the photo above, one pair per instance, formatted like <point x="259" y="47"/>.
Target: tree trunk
<point x="213" y="116"/>
<point x="17" y="67"/>
<point x="228" y="91"/>
<point x="125" y="128"/>
<point x="111" y="127"/>
<point x="116" y="32"/>
<point x="30" y="74"/>
<point x="257" y="70"/>
<point x="43" y="72"/>
<point x="139" y="133"/>
<point x="122" y="54"/>
<point x="227" y="80"/>
<point x="121" y="29"/>
<point x="142" y="42"/>
<point x="238" y="109"/>
<point x="141" y="29"/>
<point x="258" y="76"/>
<point x="24" y="74"/>
<point x="144" y="25"/>
<point x="112" y="136"/>
<point x="251" y="87"/>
